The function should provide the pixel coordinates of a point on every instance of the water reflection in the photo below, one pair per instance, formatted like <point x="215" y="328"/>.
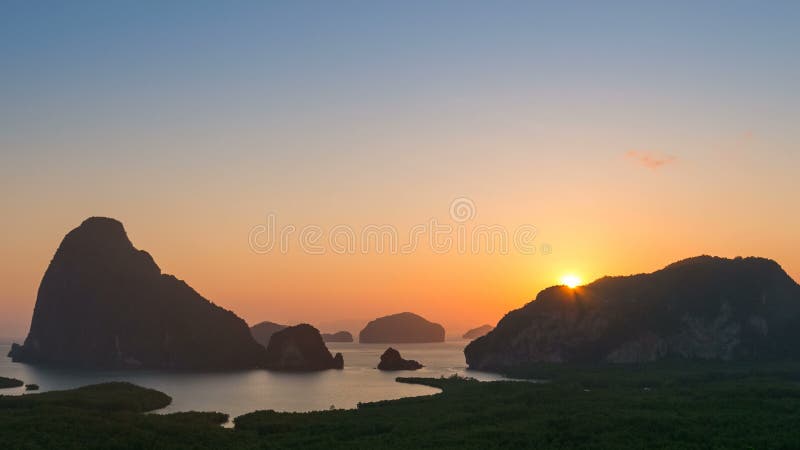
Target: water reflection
<point x="237" y="393"/>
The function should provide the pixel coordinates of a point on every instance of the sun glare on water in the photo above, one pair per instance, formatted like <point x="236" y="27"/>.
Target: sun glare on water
<point x="571" y="281"/>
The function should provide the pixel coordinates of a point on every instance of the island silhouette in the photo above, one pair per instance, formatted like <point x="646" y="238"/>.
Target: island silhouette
<point x="405" y="327"/>
<point x="701" y="308"/>
<point x="102" y="303"/>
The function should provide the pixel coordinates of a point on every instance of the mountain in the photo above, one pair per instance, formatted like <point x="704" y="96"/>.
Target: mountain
<point x="705" y="308"/>
<point x="300" y="348"/>
<point x="340" y="336"/>
<point x="103" y="303"/>
<point x="477" y="332"/>
<point x="401" y="328"/>
<point x="261" y="332"/>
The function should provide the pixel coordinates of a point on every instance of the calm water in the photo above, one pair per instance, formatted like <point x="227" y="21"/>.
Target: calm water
<point x="237" y="393"/>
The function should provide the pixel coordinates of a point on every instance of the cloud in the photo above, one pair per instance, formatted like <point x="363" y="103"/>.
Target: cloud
<point x="652" y="161"/>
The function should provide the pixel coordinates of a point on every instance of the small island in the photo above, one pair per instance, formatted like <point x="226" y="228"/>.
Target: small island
<point x="7" y="383"/>
<point x="340" y="336"/>
<point x="401" y="328"/>
<point x="391" y="360"/>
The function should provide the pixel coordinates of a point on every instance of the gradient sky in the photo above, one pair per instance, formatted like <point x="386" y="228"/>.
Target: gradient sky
<point x="631" y="134"/>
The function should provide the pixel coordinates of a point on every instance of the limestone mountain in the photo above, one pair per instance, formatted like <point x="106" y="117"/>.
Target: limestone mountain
<point x="103" y="303"/>
<point x="401" y="328"/>
<point x="391" y="360"/>
<point x="706" y="308"/>
<point x="300" y="348"/>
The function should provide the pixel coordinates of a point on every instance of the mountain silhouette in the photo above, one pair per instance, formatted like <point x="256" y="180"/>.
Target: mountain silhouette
<point x="103" y="303"/>
<point x="705" y="308"/>
<point x="401" y="328"/>
<point x="391" y="360"/>
<point x="300" y="348"/>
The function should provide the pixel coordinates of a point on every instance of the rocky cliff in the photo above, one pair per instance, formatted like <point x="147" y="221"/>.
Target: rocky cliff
<point x="103" y="303"/>
<point x="391" y="360"/>
<point x="401" y="328"/>
<point x="300" y="348"/>
<point x="701" y="308"/>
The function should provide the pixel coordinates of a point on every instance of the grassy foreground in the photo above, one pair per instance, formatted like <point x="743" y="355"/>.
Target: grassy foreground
<point x="653" y="407"/>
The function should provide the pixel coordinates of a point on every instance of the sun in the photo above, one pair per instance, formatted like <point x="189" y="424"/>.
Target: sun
<point x="571" y="281"/>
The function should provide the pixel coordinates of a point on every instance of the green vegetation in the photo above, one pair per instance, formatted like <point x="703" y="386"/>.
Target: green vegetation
<point x="706" y="412"/>
<point x="701" y="406"/>
<point x="108" y="397"/>
<point x="6" y="383"/>
<point x="105" y="416"/>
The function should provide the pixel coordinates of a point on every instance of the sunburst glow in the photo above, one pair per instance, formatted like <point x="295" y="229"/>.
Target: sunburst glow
<point x="571" y="281"/>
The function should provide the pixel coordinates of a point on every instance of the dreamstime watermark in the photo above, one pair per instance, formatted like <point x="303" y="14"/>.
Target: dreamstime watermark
<point x="458" y="234"/>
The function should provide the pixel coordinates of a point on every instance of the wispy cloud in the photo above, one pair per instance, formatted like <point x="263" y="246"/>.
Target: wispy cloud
<point x="650" y="160"/>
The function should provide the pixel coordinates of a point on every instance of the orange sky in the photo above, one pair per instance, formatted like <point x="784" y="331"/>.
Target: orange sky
<point x="635" y="224"/>
<point x="599" y="209"/>
<point x="629" y="136"/>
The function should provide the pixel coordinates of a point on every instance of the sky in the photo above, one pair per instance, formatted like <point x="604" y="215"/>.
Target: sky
<point x="627" y="134"/>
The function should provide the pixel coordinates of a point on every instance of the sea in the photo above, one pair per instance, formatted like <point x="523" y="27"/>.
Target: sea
<point x="241" y="392"/>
